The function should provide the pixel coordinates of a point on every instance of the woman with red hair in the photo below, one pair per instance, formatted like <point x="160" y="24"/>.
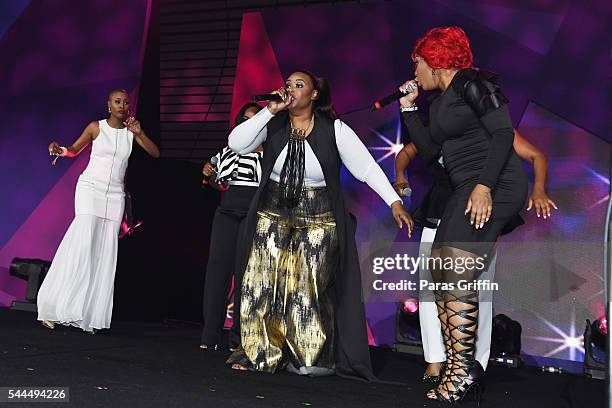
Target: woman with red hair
<point x="471" y="130"/>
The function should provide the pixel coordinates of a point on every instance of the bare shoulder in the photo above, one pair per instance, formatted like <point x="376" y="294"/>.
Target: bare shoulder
<point x="93" y="129"/>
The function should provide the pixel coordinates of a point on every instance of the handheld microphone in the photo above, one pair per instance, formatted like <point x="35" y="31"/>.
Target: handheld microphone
<point x="57" y="155"/>
<point x="213" y="160"/>
<point x="393" y="97"/>
<point x="406" y="192"/>
<point x="267" y="98"/>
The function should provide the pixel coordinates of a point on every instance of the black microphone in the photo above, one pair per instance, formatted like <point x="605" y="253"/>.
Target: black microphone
<point x="267" y="98"/>
<point x="213" y="160"/>
<point x="393" y="97"/>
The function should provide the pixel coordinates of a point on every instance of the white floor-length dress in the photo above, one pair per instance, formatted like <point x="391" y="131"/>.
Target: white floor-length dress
<point x="78" y="289"/>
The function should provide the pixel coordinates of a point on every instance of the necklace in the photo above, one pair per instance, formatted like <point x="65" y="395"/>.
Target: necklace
<point x="299" y="133"/>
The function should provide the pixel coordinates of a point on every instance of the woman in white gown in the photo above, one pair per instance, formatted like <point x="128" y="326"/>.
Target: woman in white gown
<point x="78" y="289"/>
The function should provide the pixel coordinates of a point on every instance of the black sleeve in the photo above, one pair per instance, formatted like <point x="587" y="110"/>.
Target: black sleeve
<point x="481" y="91"/>
<point x="497" y="122"/>
<point x="419" y="134"/>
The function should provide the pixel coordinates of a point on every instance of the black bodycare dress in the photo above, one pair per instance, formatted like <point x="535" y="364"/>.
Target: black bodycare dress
<point x="477" y="149"/>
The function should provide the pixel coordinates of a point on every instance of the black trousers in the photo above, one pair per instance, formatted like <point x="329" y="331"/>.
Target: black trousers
<point x="226" y="243"/>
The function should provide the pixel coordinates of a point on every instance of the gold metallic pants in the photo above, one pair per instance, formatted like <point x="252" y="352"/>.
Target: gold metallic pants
<point x="286" y="314"/>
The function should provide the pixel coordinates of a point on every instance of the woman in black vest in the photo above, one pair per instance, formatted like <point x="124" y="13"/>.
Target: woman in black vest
<point x="301" y="302"/>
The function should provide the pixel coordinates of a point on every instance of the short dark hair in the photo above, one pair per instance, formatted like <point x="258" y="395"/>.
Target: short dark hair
<point x="240" y="115"/>
<point x="117" y="90"/>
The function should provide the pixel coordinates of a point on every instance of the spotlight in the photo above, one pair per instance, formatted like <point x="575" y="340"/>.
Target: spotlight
<point x="505" y="342"/>
<point x="603" y="325"/>
<point x="410" y="306"/>
<point x="595" y="336"/>
<point x="34" y="271"/>
<point x="408" y="328"/>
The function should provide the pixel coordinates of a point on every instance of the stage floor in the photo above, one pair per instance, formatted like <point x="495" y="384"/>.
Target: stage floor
<point x="160" y="365"/>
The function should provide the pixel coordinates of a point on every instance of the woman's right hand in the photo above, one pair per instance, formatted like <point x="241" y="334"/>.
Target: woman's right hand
<point x="275" y="107"/>
<point x="54" y="148"/>
<point x="408" y="100"/>
<point x="479" y="206"/>
<point x="402" y="216"/>
<point x="208" y="170"/>
<point x="400" y="185"/>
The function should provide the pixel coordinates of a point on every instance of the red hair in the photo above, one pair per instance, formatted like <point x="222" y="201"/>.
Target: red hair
<point x="444" y="47"/>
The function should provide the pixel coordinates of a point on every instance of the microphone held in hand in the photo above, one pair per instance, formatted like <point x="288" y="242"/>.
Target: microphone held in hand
<point x="406" y="192"/>
<point x="214" y="161"/>
<point x="267" y="98"/>
<point x="63" y="152"/>
<point x="390" y="98"/>
<point x="54" y="160"/>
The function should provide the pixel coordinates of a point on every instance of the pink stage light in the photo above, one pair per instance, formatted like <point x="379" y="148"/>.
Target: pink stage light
<point x="410" y="306"/>
<point x="603" y="324"/>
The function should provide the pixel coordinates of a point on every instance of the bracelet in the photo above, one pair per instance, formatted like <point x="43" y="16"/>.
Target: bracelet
<point x="409" y="108"/>
<point x="64" y="151"/>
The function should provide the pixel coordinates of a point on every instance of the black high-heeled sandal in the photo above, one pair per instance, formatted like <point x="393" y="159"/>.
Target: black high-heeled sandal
<point x="430" y="379"/>
<point x="463" y="374"/>
<point x="434" y="379"/>
<point x="465" y="385"/>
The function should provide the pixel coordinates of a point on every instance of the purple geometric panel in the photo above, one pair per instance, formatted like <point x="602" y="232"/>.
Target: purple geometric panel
<point x="40" y="235"/>
<point x="535" y="30"/>
<point x="9" y="11"/>
<point x="62" y="43"/>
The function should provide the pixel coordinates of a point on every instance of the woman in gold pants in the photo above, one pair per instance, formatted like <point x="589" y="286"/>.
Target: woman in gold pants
<point x="301" y="306"/>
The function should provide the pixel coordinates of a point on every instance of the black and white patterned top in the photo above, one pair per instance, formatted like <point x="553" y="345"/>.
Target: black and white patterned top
<point x="239" y="170"/>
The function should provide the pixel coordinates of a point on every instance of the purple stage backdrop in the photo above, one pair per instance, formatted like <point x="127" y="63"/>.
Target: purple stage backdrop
<point x="554" y="62"/>
<point x="60" y="58"/>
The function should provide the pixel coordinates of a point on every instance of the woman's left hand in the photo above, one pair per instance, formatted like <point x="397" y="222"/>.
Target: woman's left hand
<point x="542" y="203"/>
<point x="133" y="125"/>
<point x="402" y="216"/>
<point x="479" y="205"/>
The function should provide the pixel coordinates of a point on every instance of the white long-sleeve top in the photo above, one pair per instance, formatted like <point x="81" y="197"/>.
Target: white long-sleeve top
<point x="245" y="138"/>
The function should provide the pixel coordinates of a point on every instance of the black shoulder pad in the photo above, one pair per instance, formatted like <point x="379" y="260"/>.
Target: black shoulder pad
<point x="481" y="91"/>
